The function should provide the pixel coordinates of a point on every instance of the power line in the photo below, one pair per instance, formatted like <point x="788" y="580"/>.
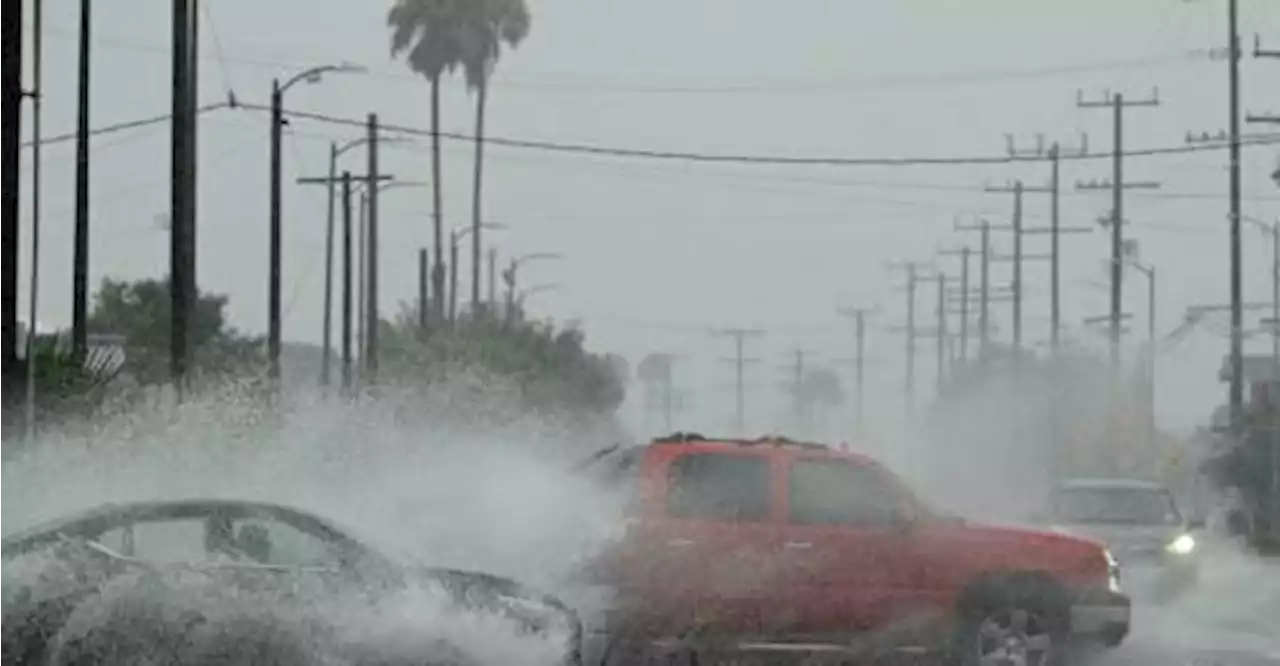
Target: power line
<point x="689" y="156"/>
<point x="126" y="125"/>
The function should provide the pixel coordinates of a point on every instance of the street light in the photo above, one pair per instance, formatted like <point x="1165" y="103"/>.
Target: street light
<point x="455" y="237"/>
<point x="310" y="76"/>
<point x="509" y="274"/>
<point x="535" y="289"/>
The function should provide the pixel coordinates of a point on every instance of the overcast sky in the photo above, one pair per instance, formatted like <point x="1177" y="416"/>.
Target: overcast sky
<point x="657" y="253"/>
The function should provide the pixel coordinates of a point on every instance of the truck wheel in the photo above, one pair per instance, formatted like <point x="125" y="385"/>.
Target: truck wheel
<point x="1011" y="629"/>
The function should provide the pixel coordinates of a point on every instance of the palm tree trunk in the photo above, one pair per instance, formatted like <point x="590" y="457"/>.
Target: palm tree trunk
<point x="481" y="96"/>
<point x="437" y="273"/>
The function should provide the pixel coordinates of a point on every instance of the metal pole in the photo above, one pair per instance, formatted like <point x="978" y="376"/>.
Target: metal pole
<point x="423" y="277"/>
<point x="362" y="268"/>
<point x="1237" y="314"/>
<point x="964" y="303"/>
<point x="80" y="260"/>
<point x="1055" y="306"/>
<point x="859" y="376"/>
<point x="371" y="307"/>
<point x="942" y="333"/>
<point x="1017" y="270"/>
<point x="984" y="305"/>
<point x="326" y="333"/>
<point x="911" y="340"/>
<point x="453" y="278"/>
<point x="493" y="280"/>
<point x="346" y="282"/>
<point x="37" y="96"/>
<point x="10" y="200"/>
<point x="273" y="280"/>
<point x="180" y="296"/>
<point x="1117" y="232"/>
<point x="740" y="411"/>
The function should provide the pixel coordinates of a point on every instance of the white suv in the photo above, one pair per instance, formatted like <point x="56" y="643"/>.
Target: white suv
<point x="1141" y="525"/>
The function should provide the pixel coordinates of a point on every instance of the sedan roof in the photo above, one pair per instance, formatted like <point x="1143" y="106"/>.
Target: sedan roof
<point x="1102" y="483"/>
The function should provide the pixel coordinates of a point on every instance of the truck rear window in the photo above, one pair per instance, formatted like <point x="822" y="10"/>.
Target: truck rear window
<point x="709" y="486"/>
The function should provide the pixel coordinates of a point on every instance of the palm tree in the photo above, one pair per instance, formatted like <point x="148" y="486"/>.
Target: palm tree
<point x="489" y="25"/>
<point x="429" y="33"/>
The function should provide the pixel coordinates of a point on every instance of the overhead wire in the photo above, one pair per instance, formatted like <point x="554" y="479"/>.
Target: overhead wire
<point x="728" y="158"/>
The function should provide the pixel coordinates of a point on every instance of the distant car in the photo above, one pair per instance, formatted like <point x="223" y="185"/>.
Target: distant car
<point x="1141" y="524"/>
<point x="776" y="549"/>
<point x="58" y="568"/>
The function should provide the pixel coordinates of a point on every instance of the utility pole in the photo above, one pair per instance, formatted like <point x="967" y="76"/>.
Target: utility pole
<point x="984" y="227"/>
<point x="343" y="181"/>
<point x="424" y="276"/>
<point x="1236" y="399"/>
<point x="326" y="334"/>
<point x="914" y="275"/>
<point x="346" y="284"/>
<point x="964" y="252"/>
<point x="11" y="94"/>
<point x="799" y="401"/>
<point x="493" y="282"/>
<point x="80" y="259"/>
<point x="859" y="316"/>
<point x="1117" y="103"/>
<point x="371" y="309"/>
<point x="739" y="336"/>
<point x="453" y="278"/>
<point x="181" y="291"/>
<point x="1055" y="228"/>
<point x="942" y="333"/>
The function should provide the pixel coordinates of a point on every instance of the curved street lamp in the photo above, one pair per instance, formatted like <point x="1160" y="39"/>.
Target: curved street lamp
<point x="310" y="76"/>
<point x="509" y="274"/>
<point x="455" y="238"/>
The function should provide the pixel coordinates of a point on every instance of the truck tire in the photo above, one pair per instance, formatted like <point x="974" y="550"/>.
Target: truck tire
<point x="1024" y="618"/>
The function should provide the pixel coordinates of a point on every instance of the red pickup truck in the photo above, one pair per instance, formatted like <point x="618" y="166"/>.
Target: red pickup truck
<point x="778" y="549"/>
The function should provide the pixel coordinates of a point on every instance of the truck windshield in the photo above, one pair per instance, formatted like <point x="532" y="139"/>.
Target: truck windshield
<point x="1128" y="506"/>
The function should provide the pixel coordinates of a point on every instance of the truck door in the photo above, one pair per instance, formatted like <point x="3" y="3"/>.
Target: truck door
<point x="717" y="539"/>
<point x="843" y="546"/>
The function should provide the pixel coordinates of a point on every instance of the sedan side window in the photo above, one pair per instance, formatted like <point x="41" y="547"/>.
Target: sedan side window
<point x="823" y="492"/>
<point x="269" y="541"/>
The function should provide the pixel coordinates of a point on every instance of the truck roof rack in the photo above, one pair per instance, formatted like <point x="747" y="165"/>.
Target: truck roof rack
<point x="763" y="440"/>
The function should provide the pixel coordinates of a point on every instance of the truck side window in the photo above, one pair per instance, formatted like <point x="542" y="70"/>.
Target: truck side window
<point x="708" y="486"/>
<point x="838" y="493"/>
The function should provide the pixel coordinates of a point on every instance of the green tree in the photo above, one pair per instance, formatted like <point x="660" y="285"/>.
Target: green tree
<point x="430" y="36"/>
<point x="139" y="311"/>
<point x="549" y="368"/>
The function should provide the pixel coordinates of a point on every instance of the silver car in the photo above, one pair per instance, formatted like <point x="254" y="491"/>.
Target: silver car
<point x="1140" y="523"/>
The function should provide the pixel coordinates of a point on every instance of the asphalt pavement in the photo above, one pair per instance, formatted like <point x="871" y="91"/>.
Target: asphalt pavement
<point x="1230" y="618"/>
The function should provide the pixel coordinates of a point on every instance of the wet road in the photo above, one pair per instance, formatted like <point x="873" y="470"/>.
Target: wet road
<point x="1231" y="618"/>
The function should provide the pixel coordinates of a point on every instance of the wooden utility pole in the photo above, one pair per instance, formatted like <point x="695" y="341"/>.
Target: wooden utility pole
<point x="371" y="309"/>
<point x="1117" y="103"/>
<point x="80" y="254"/>
<point x="181" y="282"/>
<point x="11" y="96"/>
<point x="1055" y="229"/>
<point x="965" y="253"/>
<point x="345" y="181"/>
<point x="739" y="361"/>
<point x="859" y="316"/>
<point x="424" y="277"/>
<point x="915" y="273"/>
<point x="986" y="256"/>
<point x="346" y="284"/>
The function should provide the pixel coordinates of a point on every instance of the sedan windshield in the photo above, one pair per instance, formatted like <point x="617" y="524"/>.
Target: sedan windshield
<point x="1130" y="506"/>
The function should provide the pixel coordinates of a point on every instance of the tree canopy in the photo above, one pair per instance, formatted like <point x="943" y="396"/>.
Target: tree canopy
<point x="548" y="367"/>
<point x="139" y="312"/>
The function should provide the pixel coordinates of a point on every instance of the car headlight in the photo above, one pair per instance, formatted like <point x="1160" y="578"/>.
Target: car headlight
<point x="1113" y="571"/>
<point x="1183" y="545"/>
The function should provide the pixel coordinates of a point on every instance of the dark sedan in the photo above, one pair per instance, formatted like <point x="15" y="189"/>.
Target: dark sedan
<point x="272" y="561"/>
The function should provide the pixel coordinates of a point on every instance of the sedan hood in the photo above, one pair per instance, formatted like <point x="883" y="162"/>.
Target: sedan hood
<point x="1125" y="540"/>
